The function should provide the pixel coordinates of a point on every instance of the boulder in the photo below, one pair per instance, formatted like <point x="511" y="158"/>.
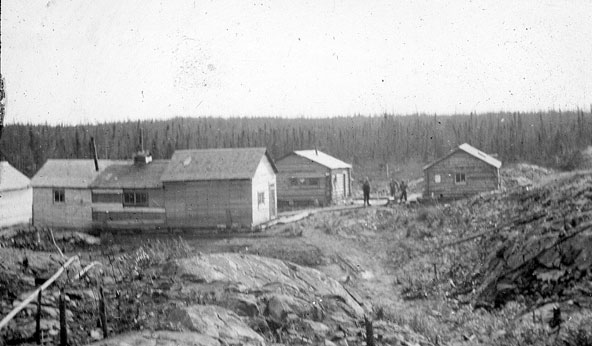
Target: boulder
<point x="213" y="321"/>
<point x="261" y="276"/>
<point x="279" y="306"/>
<point x="242" y="304"/>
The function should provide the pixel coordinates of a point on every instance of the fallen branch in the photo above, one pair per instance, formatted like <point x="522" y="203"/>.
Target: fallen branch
<point x="54" y="243"/>
<point x="33" y="295"/>
<point x="87" y="268"/>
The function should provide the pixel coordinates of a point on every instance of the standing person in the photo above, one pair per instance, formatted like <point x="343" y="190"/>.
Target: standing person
<point x="403" y="187"/>
<point x="393" y="186"/>
<point x="366" y="189"/>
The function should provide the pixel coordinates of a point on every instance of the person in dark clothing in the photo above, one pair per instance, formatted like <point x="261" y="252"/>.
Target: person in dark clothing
<point x="393" y="187"/>
<point x="366" y="189"/>
<point x="403" y="187"/>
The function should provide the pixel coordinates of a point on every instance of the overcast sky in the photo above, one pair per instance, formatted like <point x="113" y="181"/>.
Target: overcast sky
<point x="77" y="61"/>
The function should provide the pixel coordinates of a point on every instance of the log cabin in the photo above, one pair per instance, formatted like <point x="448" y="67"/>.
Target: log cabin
<point x="16" y="196"/>
<point x="62" y="195"/>
<point x="312" y="178"/>
<point x="233" y="187"/>
<point x="465" y="171"/>
<point x="130" y="194"/>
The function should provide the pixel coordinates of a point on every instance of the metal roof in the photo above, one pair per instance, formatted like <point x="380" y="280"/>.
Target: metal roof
<point x="127" y="175"/>
<point x="11" y="179"/>
<point x="69" y="173"/>
<point x="473" y="152"/>
<point x="215" y="164"/>
<point x="322" y="159"/>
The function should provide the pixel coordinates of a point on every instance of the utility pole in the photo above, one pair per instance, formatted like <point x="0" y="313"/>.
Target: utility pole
<point x="2" y="110"/>
<point x="2" y="101"/>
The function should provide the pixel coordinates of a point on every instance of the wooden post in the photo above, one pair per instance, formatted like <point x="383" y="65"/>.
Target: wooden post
<point x="63" y="320"/>
<point x="435" y="272"/>
<point x="369" y="332"/>
<point x="38" y="319"/>
<point x="103" y="312"/>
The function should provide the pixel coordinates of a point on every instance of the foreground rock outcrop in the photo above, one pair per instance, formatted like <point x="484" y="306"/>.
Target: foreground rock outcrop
<point x="237" y="299"/>
<point x="280" y="300"/>
<point x="543" y="252"/>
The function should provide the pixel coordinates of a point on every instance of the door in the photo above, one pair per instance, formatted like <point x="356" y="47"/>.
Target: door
<point x="272" y="203"/>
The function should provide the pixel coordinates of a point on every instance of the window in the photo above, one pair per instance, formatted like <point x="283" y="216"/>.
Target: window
<point x="459" y="178"/>
<point x="437" y="178"/>
<point x="304" y="181"/>
<point x="261" y="198"/>
<point x="59" y="196"/>
<point x="135" y="199"/>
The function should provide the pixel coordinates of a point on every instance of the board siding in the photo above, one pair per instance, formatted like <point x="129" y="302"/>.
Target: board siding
<point x="74" y="212"/>
<point x="480" y="177"/>
<point x="263" y="178"/>
<point x="340" y="188"/>
<point x="197" y="204"/>
<point x="126" y="216"/>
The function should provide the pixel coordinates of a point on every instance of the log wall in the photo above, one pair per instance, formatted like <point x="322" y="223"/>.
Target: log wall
<point x="479" y="177"/>
<point x="305" y="171"/>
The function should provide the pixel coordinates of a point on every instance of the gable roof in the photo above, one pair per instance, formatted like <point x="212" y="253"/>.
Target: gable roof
<point x="322" y="159"/>
<point x="131" y="176"/>
<point x="69" y="173"/>
<point x="215" y="164"/>
<point x="11" y="179"/>
<point x="473" y="152"/>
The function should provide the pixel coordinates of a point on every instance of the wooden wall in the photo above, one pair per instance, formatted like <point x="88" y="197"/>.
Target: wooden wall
<point x="262" y="181"/>
<point x="294" y="166"/>
<point x="479" y="176"/>
<point x="109" y="211"/>
<point x="16" y="207"/>
<point x="208" y="203"/>
<point x="341" y="185"/>
<point x="74" y="212"/>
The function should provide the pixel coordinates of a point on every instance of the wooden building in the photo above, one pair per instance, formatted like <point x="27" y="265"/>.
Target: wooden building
<point x="62" y="195"/>
<point x="311" y="177"/>
<point x="463" y="172"/>
<point x="16" y="196"/>
<point x="129" y="194"/>
<point x="212" y="187"/>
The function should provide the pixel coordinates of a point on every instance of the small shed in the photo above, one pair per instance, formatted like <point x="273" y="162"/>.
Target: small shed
<point x="235" y="187"/>
<point x="130" y="194"/>
<point x="465" y="171"/>
<point x="16" y="196"/>
<point x="311" y="177"/>
<point x="62" y="195"/>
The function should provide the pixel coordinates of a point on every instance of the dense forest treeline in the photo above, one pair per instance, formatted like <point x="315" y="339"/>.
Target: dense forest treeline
<point x="551" y="138"/>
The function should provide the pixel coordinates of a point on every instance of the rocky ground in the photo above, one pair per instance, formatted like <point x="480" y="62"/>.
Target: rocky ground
<point x="493" y="270"/>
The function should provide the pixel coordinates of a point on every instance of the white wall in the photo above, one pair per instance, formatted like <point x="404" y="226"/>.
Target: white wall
<point x="264" y="176"/>
<point x="16" y="207"/>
